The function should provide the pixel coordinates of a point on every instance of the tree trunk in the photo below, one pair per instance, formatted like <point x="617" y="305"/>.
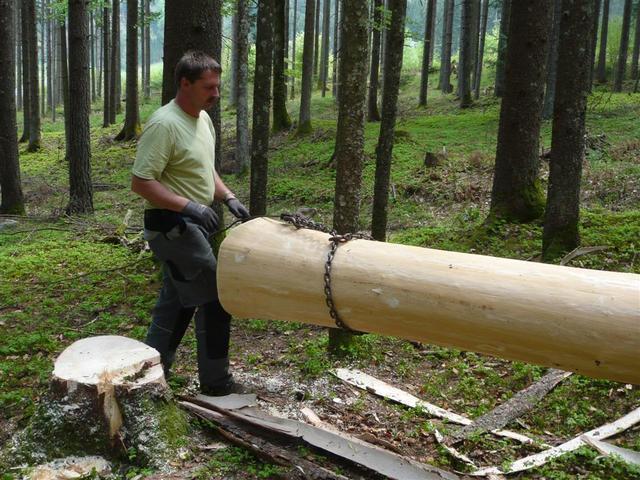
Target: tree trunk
<point x="502" y="47"/>
<point x="79" y="148"/>
<point x="349" y="150"/>
<point x="147" y="49"/>
<point x="601" y="74"/>
<point x="324" y="57"/>
<point x="26" y="78"/>
<point x="426" y="52"/>
<point x="293" y="49"/>
<point x="106" y="62"/>
<point x="384" y="150"/>
<point x="316" y="39"/>
<point x="594" y="43"/>
<point x="242" y="75"/>
<point x="93" y="58"/>
<point x="635" y="56"/>
<point x="516" y="193"/>
<point x="483" y="34"/>
<point x="336" y="44"/>
<point x="141" y="54"/>
<point x="466" y="52"/>
<point x="18" y="57"/>
<point x="281" y="119"/>
<point x="433" y="32"/>
<point x="621" y="64"/>
<point x="552" y="62"/>
<point x="131" y="127"/>
<point x="567" y="139"/>
<point x="115" y="61"/>
<point x="34" y="94"/>
<point x="304" y="121"/>
<point x="475" y="34"/>
<point x="43" y="58"/>
<point x="50" y="69"/>
<point x="373" y="115"/>
<point x="261" y="107"/>
<point x="64" y="82"/>
<point x="445" y="57"/>
<point x="10" y="188"/>
<point x="233" y="89"/>
<point x="54" y="68"/>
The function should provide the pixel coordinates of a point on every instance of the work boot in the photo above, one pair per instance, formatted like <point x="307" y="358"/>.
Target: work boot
<point x="227" y="388"/>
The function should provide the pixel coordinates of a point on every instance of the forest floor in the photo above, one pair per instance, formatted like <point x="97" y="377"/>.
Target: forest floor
<point x="68" y="278"/>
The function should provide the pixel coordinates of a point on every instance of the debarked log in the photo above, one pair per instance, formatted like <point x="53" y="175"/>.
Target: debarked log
<point x="580" y="320"/>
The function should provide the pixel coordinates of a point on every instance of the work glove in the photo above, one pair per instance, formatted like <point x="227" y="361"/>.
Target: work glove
<point x="203" y="215"/>
<point x="238" y="210"/>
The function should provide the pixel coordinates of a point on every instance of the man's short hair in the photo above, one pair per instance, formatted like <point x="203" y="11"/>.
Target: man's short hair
<point x="193" y="64"/>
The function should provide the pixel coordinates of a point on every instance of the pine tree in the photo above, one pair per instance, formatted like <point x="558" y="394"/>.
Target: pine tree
<point x="131" y="127"/>
<point x="601" y="74"/>
<point x="621" y="64"/>
<point x="304" y="121"/>
<point x="281" y="119"/>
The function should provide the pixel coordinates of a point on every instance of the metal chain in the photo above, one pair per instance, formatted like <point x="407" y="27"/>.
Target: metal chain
<point x="300" y="221"/>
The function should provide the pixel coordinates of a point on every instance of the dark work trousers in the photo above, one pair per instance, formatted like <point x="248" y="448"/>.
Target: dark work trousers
<point x="188" y="287"/>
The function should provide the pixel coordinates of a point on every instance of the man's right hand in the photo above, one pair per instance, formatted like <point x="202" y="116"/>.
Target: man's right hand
<point x="203" y="215"/>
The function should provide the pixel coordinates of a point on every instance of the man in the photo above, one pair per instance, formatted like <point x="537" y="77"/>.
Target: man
<point x="174" y="172"/>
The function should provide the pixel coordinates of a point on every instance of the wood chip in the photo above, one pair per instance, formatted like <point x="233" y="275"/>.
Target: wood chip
<point x="629" y="456"/>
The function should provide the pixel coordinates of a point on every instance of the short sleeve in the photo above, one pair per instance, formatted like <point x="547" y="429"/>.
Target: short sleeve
<point x="155" y="148"/>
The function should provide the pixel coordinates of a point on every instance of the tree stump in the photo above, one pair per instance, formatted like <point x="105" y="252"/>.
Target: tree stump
<point x="108" y="396"/>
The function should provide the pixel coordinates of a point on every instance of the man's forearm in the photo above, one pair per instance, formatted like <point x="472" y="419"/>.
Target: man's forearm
<point x="222" y="191"/>
<point x="158" y="194"/>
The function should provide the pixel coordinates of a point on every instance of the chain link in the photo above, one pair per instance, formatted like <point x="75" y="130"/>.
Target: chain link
<point x="300" y="221"/>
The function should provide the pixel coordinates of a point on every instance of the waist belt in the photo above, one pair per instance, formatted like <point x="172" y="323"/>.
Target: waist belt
<point x="162" y="220"/>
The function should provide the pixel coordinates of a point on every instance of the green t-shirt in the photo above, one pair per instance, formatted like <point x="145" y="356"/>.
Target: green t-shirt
<point x="178" y="150"/>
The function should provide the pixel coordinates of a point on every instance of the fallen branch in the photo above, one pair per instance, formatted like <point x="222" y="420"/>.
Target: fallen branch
<point x="518" y="405"/>
<point x="340" y="444"/>
<point x="234" y="433"/>
<point x="382" y="389"/>
<point x="580" y="251"/>
<point x="541" y="458"/>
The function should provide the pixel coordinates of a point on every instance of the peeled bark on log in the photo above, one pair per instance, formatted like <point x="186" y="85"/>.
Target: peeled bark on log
<point x="108" y="395"/>
<point x="586" y="321"/>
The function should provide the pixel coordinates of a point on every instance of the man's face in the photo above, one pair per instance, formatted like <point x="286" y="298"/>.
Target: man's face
<point x="204" y="92"/>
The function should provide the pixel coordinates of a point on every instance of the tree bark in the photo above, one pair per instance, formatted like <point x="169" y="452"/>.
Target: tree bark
<point x="475" y="34"/>
<point x="384" y="150"/>
<point x="594" y="43"/>
<point x="426" y="52"/>
<point x="141" y="52"/>
<point x="34" y="94"/>
<point x="64" y="81"/>
<point x="106" y="62"/>
<point x="480" y="57"/>
<point x="560" y="232"/>
<point x="445" y="57"/>
<point x="621" y="64"/>
<point x="316" y="39"/>
<point x="26" y="75"/>
<point x="242" y="76"/>
<point x="373" y="115"/>
<point x="50" y="69"/>
<point x="324" y="57"/>
<point x="336" y="43"/>
<point x="261" y="107"/>
<point x="552" y="62"/>
<point x="115" y="61"/>
<point x="147" y="49"/>
<point x="601" y="74"/>
<point x="131" y="127"/>
<point x="43" y="58"/>
<point x="516" y="193"/>
<point x="18" y="44"/>
<point x="466" y="52"/>
<point x="79" y="148"/>
<point x="635" y="56"/>
<point x="349" y="150"/>
<point x="304" y="121"/>
<point x="281" y="119"/>
<point x="293" y="48"/>
<point x="12" y="201"/>
<point x="93" y="58"/>
<point x="233" y="89"/>
<point x="502" y="48"/>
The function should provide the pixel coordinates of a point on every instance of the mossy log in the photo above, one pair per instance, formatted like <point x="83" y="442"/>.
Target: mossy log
<point x="580" y="320"/>
<point x="108" y="396"/>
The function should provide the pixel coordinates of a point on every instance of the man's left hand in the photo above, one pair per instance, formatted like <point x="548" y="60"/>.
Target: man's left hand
<point x="238" y="210"/>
